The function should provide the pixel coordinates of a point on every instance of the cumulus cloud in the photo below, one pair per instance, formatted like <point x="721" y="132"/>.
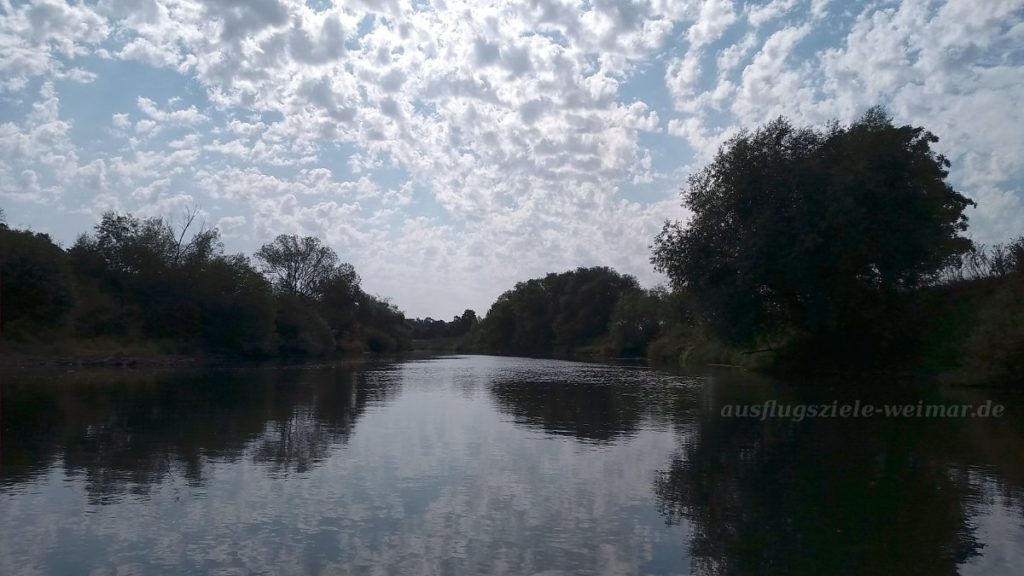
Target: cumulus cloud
<point x="715" y="18"/>
<point x="950" y="66"/>
<point x="38" y="38"/>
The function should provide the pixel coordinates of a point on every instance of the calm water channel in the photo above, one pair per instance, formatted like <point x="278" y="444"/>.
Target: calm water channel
<point x="485" y="465"/>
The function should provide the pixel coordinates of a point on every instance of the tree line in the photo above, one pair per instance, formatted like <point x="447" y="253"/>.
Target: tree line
<point x="145" y="280"/>
<point x="842" y="245"/>
<point x="431" y="329"/>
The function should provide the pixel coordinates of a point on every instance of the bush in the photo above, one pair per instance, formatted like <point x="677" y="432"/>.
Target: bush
<point x="300" y="330"/>
<point x="36" y="294"/>
<point x="994" y="352"/>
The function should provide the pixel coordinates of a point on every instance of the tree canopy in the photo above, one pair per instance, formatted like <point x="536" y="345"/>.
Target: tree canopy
<point x="298" y="265"/>
<point x="169" y="285"/>
<point x="144" y="278"/>
<point x="429" y="328"/>
<point x="815" y="230"/>
<point x="557" y="312"/>
<point x="36" y="290"/>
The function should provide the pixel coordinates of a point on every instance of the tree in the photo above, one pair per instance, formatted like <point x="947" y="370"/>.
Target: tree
<point x="461" y="325"/>
<point x="299" y="266"/>
<point x="35" y="284"/>
<point x="235" y="305"/>
<point x="428" y="328"/>
<point x="818" y="231"/>
<point x="586" y="299"/>
<point x="383" y="324"/>
<point x="559" y="312"/>
<point x="171" y="283"/>
<point x="635" y="321"/>
<point x="339" y="298"/>
<point x="519" y="321"/>
<point x="146" y="277"/>
<point x="300" y="330"/>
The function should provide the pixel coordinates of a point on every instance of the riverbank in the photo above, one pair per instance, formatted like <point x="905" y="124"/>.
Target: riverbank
<point x="965" y="333"/>
<point x="153" y="354"/>
<point x="17" y="361"/>
<point x="451" y="344"/>
<point x="969" y="333"/>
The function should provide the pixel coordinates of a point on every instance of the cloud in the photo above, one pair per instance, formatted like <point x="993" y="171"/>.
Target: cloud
<point x="184" y="117"/>
<point x="954" y="68"/>
<point x="681" y="76"/>
<point x="470" y="145"/>
<point x="760" y="14"/>
<point x="714" y="19"/>
<point x="37" y="37"/>
<point x="231" y="226"/>
<point x="39" y="159"/>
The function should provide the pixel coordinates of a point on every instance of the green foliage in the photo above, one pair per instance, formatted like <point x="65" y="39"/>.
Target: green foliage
<point x="300" y="266"/>
<point x="383" y="324"/>
<point x="975" y="330"/>
<point x="236" y="306"/>
<point x="635" y="321"/>
<point x="143" y="279"/>
<point x="994" y="352"/>
<point x="520" y="321"/>
<point x="815" y="230"/>
<point x="300" y="330"/>
<point x="135" y="281"/>
<point x="321" y="306"/>
<point x="430" y="329"/>
<point x="339" y="297"/>
<point x="982" y="262"/>
<point x="36" y="292"/>
<point x="557" y="313"/>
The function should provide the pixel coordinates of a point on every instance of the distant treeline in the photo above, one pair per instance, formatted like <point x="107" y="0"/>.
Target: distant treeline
<point x="146" y="285"/>
<point x="574" y="312"/>
<point x="430" y="329"/>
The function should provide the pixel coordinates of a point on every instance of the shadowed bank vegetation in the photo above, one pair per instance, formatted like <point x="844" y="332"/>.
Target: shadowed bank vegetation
<point x="830" y="249"/>
<point x="966" y="328"/>
<point x="808" y="249"/>
<point x="558" y="314"/>
<point x="143" y="287"/>
<point x="438" y="335"/>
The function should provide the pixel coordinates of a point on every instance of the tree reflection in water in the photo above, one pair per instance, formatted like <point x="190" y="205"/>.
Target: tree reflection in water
<point x="582" y="403"/>
<point x="836" y="496"/>
<point x="125" y="431"/>
<point x="478" y="464"/>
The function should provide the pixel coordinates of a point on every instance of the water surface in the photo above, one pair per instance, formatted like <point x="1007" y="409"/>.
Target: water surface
<point x="474" y="464"/>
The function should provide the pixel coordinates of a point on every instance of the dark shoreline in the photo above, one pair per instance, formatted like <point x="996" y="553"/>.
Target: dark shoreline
<point x="16" y="361"/>
<point x="28" y="361"/>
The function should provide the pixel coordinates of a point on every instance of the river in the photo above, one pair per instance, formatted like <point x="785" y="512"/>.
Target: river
<point x="488" y="465"/>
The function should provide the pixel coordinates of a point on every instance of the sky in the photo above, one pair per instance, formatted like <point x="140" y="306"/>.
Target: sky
<point x="448" y="149"/>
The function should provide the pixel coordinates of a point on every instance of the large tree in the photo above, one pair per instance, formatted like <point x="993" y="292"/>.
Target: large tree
<point x="813" y="230"/>
<point x="298" y="265"/>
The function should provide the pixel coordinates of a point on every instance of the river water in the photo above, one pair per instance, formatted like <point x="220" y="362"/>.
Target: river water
<point x="487" y="465"/>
